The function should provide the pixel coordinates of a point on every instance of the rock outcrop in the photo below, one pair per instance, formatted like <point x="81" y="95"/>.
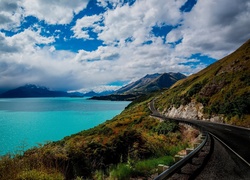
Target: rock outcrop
<point x="192" y="110"/>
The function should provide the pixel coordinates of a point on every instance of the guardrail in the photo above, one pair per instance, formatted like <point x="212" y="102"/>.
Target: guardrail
<point x="174" y="168"/>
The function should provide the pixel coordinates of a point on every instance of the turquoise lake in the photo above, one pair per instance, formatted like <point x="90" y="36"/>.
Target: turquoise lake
<point x="27" y="122"/>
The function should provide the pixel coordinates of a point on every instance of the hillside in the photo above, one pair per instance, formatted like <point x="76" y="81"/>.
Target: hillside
<point x="31" y="90"/>
<point x="220" y="92"/>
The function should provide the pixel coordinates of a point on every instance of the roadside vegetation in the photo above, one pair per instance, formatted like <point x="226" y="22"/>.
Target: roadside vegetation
<point x="223" y="88"/>
<point x="131" y="144"/>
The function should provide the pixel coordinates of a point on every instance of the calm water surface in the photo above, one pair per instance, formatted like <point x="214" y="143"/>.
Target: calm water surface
<point x="25" y="122"/>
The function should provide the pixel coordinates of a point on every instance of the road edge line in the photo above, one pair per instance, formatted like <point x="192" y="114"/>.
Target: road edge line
<point x="230" y="149"/>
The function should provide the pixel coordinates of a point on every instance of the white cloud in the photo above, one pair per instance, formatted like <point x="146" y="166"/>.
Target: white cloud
<point x="54" y="12"/>
<point x="10" y="14"/>
<point x="113" y="3"/>
<point x="131" y="61"/>
<point x="213" y="28"/>
<point x="98" y="89"/>
<point x="136" y="21"/>
<point x="86" y="22"/>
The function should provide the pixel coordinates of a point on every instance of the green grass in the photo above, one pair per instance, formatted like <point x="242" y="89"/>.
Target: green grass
<point x="121" y="172"/>
<point x="144" y="168"/>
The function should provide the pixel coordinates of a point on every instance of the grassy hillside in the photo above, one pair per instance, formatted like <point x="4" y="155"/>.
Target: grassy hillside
<point x="223" y="88"/>
<point x="117" y="147"/>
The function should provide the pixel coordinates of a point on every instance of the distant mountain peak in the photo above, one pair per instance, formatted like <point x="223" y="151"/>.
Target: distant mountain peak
<point x="33" y="86"/>
<point x="152" y="75"/>
<point x="151" y="82"/>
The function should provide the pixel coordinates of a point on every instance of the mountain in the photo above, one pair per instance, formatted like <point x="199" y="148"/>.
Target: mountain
<point x="137" y="84"/>
<point x="145" y="85"/>
<point x="31" y="90"/>
<point x="220" y="92"/>
<point x="93" y="93"/>
<point x="150" y="83"/>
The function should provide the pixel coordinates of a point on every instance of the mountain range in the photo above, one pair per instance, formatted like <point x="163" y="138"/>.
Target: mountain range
<point x="150" y="83"/>
<point x="129" y="92"/>
<point x="145" y="85"/>
<point x="31" y="90"/>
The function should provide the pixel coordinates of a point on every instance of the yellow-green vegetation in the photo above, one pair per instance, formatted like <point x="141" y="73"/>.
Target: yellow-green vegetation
<point x="223" y="88"/>
<point x="144" y="168"/>
<point x="119" y="147"/>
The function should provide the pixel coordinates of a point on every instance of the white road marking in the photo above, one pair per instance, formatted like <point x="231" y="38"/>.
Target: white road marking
<point x="231" y="149"/>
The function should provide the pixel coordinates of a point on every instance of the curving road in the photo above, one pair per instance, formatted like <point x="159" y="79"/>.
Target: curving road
<point x="236" y="139"/>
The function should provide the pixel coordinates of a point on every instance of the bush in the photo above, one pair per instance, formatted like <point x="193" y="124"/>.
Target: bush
<point x="147" y="167"/>
<point x="121" y="172"/>
<point x="165" y="127"/>
<point x="143" y="168"/>
<point x="38" y="175"/>
<point x="195" y="89"/>
<point x="203" y="100"/>
<point x="232" y="106"/>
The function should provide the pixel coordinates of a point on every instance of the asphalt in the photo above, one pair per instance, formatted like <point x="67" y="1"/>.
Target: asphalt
<point x="224" y="165"/>
<point x="237" y="139"/>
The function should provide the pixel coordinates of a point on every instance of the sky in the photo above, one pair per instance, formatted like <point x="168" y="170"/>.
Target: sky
<point x="84" y="45"/>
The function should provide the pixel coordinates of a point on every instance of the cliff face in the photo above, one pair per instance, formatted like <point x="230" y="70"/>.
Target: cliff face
<point x="192" y="110"/>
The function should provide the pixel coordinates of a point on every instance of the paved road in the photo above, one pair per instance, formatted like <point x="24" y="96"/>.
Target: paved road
<point x="236" y="138"/>
<point x="224" y="165"/>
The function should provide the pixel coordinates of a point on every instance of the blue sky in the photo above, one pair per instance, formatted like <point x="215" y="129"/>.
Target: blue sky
<point x="101" y="45"/>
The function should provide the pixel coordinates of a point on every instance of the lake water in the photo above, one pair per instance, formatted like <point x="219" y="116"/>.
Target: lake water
<point x="25" y="122"/>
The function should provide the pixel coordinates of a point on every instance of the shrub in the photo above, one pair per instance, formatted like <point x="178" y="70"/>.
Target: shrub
<point x="38" y="175"/>
<point x="147" y="167"/>
<point x="165" y="127"/>
<point x="195" y="89"/>
<point x="121" y="172"/>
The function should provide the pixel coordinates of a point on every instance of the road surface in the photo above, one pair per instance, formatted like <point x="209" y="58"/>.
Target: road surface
<point x="232" y="145"/>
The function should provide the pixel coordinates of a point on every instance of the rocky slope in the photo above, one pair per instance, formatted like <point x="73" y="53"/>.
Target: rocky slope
<point x="220" y="92"/>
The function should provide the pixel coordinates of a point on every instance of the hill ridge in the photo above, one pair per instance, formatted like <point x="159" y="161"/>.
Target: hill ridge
<point x="221" y="90"/>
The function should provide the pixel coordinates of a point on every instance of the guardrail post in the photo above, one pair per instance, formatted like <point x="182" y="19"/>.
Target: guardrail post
<point x="178" y="157"/>
<point x="196" y="145"/>
<point x="161" y="168"/>
<point x="189" y="150"/>
<point x="203" y="136"/>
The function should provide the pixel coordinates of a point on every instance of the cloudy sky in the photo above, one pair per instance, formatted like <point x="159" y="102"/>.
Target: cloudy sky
<point x="101" y="44"/>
